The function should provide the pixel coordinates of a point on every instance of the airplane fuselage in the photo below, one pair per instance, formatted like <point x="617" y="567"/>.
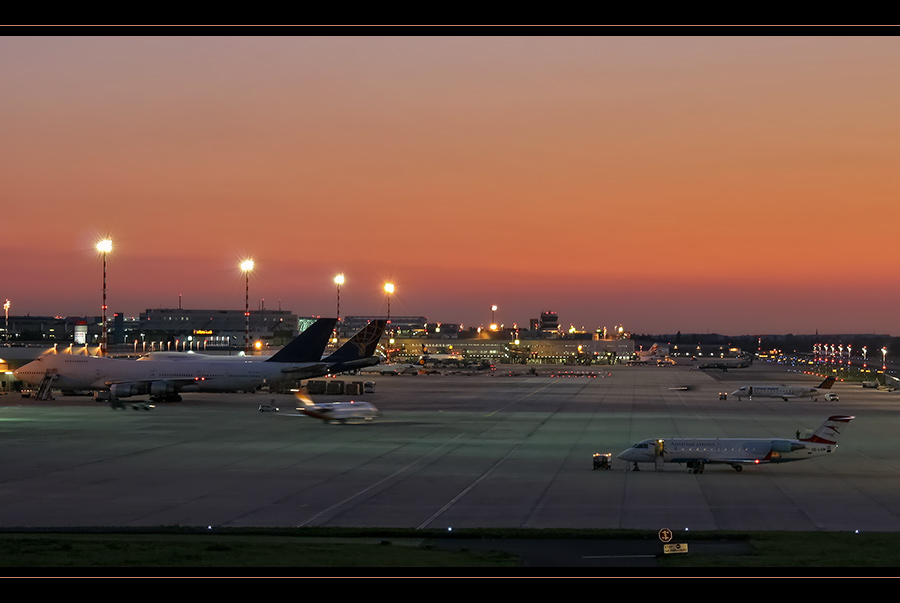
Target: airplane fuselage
<point x="341" y="412"/>
<point x="732" y="451"/>
<point x="778" y="391"/>
<point x="129" y="377"/>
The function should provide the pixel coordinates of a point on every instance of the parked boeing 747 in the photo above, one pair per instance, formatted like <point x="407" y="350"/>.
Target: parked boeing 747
<point x="165" y="380"/>
<point x="695" y="453"/>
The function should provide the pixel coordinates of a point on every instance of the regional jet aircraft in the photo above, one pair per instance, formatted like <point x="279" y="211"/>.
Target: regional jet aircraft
<point x="337" y="412"/>
<point x="737" y="452"/>
<point x="440" y="358"/>
<point x="652" y="356"/>
<point x="784" y="391"/>
<point x="723" y="364"/>
<point x="164" y="380"/>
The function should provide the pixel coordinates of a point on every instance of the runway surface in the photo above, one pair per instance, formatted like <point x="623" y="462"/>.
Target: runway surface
<point x="451" y="452"/>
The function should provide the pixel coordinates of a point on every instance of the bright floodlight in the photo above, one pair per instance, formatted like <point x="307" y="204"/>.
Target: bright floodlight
<point x="104" y="246"/>
<point x="247" y="265"/>
<point x="339" y="279"/>
<point x="389" y="287"/>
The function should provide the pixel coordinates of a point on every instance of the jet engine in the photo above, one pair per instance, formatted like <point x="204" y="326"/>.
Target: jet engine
<point x="161" y="388"/>
<point x="123" y="390"/>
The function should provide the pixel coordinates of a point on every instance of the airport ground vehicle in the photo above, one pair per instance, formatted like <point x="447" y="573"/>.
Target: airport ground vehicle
<point x="601" y="461"/>
<point x="268" y="408"/>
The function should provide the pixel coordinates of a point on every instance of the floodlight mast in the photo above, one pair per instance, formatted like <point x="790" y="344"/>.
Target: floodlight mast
<point x="246" y="267"/>
<point x="104" y="247"/>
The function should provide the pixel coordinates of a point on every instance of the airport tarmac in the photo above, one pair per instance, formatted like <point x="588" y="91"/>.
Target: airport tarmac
<point x="452" y="452"/>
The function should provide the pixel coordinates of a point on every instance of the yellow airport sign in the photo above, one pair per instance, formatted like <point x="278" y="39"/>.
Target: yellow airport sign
<point x="677" y="547"/>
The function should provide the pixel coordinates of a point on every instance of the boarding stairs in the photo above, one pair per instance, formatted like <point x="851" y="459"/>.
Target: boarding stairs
<point x="43" y="390"/>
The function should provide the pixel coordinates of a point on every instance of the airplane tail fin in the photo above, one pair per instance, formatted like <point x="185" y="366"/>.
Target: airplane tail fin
<point x="829" y="431"/>
<point x="309" y="345"/>
<point x="829" y="381"/>
<point x="361" y="345"/>
<point x="302" y="395"/>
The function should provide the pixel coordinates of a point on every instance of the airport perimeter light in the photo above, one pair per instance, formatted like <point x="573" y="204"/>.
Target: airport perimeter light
<point x="104" y="247"/>
<point x="246" y="267"/>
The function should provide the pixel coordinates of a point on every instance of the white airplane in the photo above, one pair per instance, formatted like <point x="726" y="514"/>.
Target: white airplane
<point x="165" y="380"/>
<point x="723" y="364"/>
<point x="392" y="369"/>
<point x="784" y="391"/>
<point x="652" y="353"/>
<point x="440" y="358"/>
<point x="337" y="412"/>
<point x="652" y="356"/>
<point x="737" y="452"/>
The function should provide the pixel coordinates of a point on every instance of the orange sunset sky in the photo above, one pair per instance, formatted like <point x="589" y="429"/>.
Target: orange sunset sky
<point x="739" y="185"/>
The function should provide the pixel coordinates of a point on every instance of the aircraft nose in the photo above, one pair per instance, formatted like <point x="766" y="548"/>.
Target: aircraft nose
<point x="21" y="375"/>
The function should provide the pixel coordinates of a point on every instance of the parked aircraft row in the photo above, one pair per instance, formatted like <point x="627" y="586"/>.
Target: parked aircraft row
<point x="164" y="379"/>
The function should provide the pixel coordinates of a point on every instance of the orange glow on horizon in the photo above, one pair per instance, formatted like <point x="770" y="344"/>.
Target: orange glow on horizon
<point x="701" y="184"/>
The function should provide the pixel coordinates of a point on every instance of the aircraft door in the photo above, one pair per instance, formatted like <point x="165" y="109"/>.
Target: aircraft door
<point x="659" y="451"/>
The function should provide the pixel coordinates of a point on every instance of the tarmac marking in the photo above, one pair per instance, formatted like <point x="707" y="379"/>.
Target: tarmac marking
<point x="465" y="491"/>
<point x="516" y="401"/>
<point x="378" y="483"/>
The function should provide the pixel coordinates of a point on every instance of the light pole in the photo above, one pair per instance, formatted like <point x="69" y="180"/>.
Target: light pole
<point x="389" y="289"/>
<point x="104" y="247"/>
<point x="6" y="310"/>
<point x="493" y="322"/>
<point x="338" y="280"/>
<point x="247" y="266"/>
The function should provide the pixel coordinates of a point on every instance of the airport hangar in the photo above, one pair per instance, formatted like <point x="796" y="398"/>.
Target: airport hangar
<point x="451" y="451"/>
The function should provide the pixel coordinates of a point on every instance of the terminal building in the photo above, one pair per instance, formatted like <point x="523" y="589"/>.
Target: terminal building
<point x="406" y="340"/>
<point x="168" y="328"/>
